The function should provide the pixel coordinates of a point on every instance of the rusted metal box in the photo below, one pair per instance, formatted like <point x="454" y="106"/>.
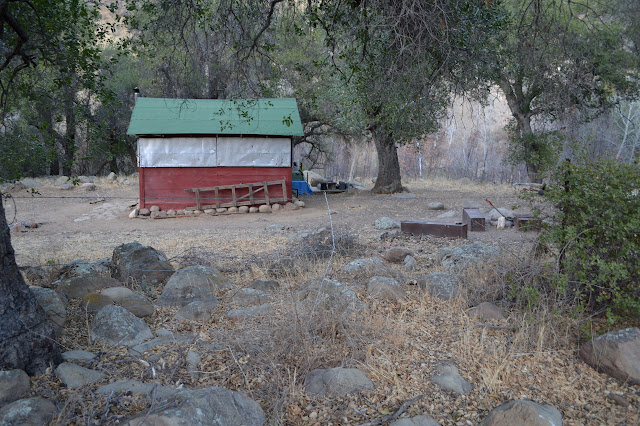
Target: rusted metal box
<point x="526" y="223"/>
<point x="437" y="229"/>
<point x="474" y="220"/>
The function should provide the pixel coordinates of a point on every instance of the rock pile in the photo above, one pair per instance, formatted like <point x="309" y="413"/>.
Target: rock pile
<point x="154" y="212"/>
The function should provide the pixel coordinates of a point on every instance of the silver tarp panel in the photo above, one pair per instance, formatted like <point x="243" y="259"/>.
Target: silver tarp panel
<point x="254" y="152"/>
<point x="212" y="152"/>
<point x="177" y="152"/>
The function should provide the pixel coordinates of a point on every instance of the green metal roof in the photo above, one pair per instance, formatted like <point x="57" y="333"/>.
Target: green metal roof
<point x="161" y="116"/>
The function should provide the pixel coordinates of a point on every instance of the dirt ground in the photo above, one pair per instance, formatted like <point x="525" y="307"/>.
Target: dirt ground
<point x="72" y="225"/>
<point x="397" y="344"/>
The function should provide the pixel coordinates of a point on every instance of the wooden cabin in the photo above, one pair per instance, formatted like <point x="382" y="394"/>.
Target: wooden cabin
<point x="212" y="152"/>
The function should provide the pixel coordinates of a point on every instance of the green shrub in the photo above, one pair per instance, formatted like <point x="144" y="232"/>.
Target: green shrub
<point x="595" y="229"/>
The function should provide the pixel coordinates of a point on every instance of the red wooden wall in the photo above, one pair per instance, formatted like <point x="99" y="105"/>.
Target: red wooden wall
<point x="164" y="186"/>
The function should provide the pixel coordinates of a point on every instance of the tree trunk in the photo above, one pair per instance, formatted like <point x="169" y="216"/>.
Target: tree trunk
<point x="388" y="180"/>
<point x="27" y="337"/>
<point x="69" y="139"/>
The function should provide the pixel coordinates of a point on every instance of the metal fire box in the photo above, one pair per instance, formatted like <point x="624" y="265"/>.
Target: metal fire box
<point x="474" y="220"/>
<point x="437" y="229"/>
<point x="526" y="223"/>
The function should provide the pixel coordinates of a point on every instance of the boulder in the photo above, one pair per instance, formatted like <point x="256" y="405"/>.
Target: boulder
<point x="193" y="283"/>
<point x="337" y="382"/>
<point x="240" y="314"/>
<point x="385" y="288"/>
<point x="208" y="406"/>
<point x="136" y="387"/>
<point x="79" y="287"/>
<point x="82" y="268"/>
<point x="78" y="356"/>
<point x="385" y="223"/>
<point x="487" y="310"/>
<point x="330" y="295"/>
<point x="397" y="254"/>
<point x="135" y="303"/>
<point x="28" y="412"/>
<point x="523" y="413"/>
<point x="253" y="209"/>
<point x="66" y="187"/>
<point x="112" y="176"/>
<point x="52" y="304"/>
<point x="307" y="234"/>
<point x="249" y="296"/>
<point x="243" y="209"/>
<point x="35" y="275"/>
<point x="61" y="180"/>
<point x="410" y="263"/>
<point x="115" y="326"/>
<point x="448" y="378"/>
<point x="144" y="212"/>
<point x="265" y="285"/>
<point x="30" y="183"/>
<point x="441" y="285"/>
<point x="164" y="337"/>
<point x="274" y="208"/>
<point x="93" y="302"/>
<point x="74" y="376"/>
<point x="88" y="186"/>
<point x="460" y="257"/>
<point x="264" y="208"/>
<point x="154" y="209"/>
<point x="422" y="420"/>
<point x="233" y="209"/>
<point x="313" y="178"/>
<point x="201" y="311"/>
<point x="86" y="179"/>
<point x="13" y="384"/>
<point x="616" y="353"/>
<point x="364" y="265"/>
<point x="435" y="205"/>
<point x="141" y="263"/>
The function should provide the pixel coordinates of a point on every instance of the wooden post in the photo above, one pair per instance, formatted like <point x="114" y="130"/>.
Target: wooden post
<point x="251" y="193"/>
<point x="197" y="191"/>
<point x="217" y="200"/>
<point x="233" y="195"/>
<point x="266" y="193"/>
<point x="284" y="191"/>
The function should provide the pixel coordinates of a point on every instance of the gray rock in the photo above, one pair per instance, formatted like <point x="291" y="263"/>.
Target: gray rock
<point x="487" y="310"/>
<point x="201" y="311"/>
<point x="36" y="276"/>
<point x="265" y="285"/>
<point x="337" y="382"/>
<point x="13" y="384"/>
<point x="466" y="255"/>
<point x="523" y="413"/>
<point x="422" y="420"/>
<point x="313" y="178"/>
<point x="449" y="379"/>
<point x="78" y="356"/>
<point x="79" y="287"/>
<point x="74" y="376"/>
<point x="82" y="268"/>
<point x="136" y="388"/>
<point x="144" y="212"/>
<point x="112" y="176"/>
<point x="30" y="183"/>
<point x="249" y="296"/>
<point x="154" y="209"/>
<point x="329" y="295"/>
<point x="193" y="283"/>
<point x="441" y="285"/>
<point x="208" y="406"/>
<point x="53" y="306"/>
<point x="397" y="254"/>
<point x="306" y="234"/>
<point x="66" y="187"/>
<point x="88" y="186"/>
<point x="385" y="288"/>
<point x="140" y="263"/>
<point x="61" y="180"/>
<point x="115" y="326"/>
<point x="385" y="223"/>
<point x="193" y="360"/>
<point x="264" y="208"/>
<point x="28" y="412"/>
<point x="410" y="263"/>
<point x="435" y="205"/>
<point x="86" y="179"/>
<point x="243" y="209"/>
<point x="135" y="303"/>
<point x="254" y="209"/>
<point x="368" y="264"/>
<point x="164" y="337"/>
<point x="240" y="314"/>
<point x="616" y="353"/>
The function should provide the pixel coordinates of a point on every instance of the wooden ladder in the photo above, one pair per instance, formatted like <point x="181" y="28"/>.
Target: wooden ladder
<point x="254" y="188"/>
